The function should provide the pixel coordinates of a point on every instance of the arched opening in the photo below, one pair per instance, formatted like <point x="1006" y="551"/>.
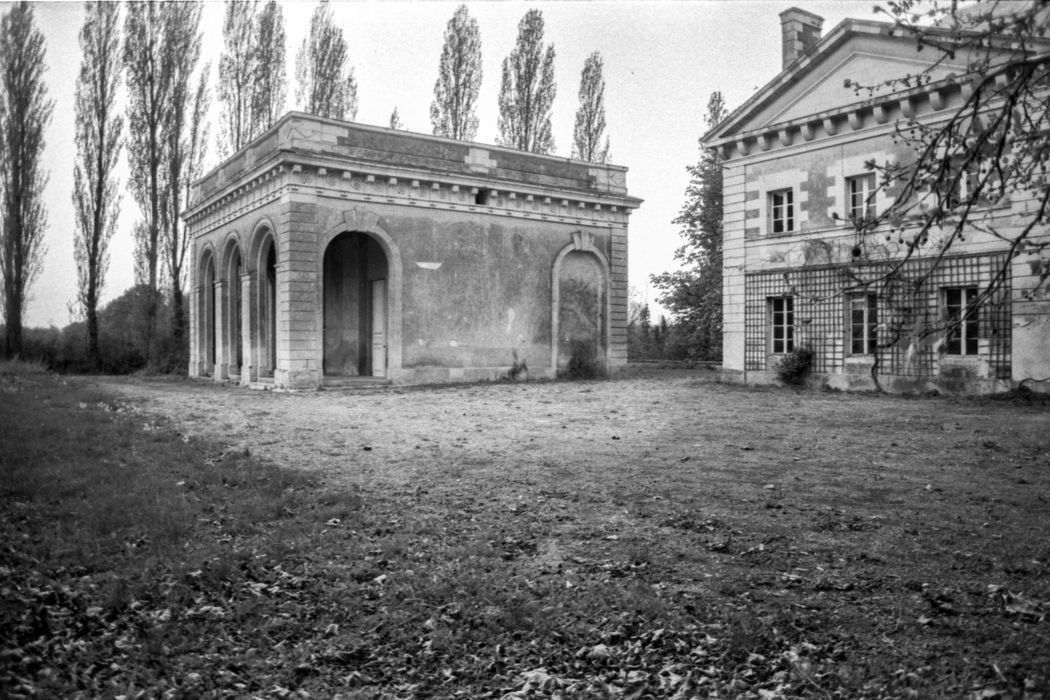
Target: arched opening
<point x="268" y="310"/>
<point x="355" y="306"/>
<point x="206" y="315"/>
<point x="582" y="299"/>
<point x="232" y="311"/>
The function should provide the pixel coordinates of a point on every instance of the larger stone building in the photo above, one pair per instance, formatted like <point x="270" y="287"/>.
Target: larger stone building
<point x="326" y="251"/>
<point x="796" y="178"/>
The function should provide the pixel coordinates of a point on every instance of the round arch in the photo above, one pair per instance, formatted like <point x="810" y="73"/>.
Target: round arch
<point x="205" y="311"/>
<point x="232" y="305"/>
<point x="582" y="242"/>
<point x="261" y="262"/>
<point x="367" y="222"/>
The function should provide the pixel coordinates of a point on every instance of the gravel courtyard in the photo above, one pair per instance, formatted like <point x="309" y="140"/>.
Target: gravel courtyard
<point x="871" y="543"/>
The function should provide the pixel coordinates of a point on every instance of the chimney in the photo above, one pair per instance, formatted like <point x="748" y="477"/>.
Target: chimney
<point x="800" y="30"/>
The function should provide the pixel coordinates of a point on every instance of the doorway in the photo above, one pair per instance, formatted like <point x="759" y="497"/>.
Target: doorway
<point x="355" y="307"/>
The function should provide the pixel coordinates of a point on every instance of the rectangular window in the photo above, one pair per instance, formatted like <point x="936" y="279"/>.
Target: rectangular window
<point x="863" y="324"/>
<point x="960" y="306"/>
<point x="860" y="196"/>
<point x="781" y="211"/>
<point x="782" y="324"/>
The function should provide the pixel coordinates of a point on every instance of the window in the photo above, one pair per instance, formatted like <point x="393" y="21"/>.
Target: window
<point x="782" y="324"/>
<point x="860" y="196"/>
<point x="960" y="306"/>
<point x="781" y="211"/>
<point x="863" y="322"/>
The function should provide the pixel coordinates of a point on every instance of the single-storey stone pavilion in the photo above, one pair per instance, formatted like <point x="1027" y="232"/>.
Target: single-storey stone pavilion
<point x="331" y="252"/>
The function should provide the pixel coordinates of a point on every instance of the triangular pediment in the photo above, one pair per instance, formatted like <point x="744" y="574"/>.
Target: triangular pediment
<point x="863" y="53"/>
<point x="833" y="87"/>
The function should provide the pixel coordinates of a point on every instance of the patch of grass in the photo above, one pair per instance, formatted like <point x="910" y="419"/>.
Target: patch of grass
<point x="18" y="367"/>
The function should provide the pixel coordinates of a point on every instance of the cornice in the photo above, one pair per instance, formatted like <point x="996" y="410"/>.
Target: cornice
<point x="334" y="179"/>
<point x="924" y="101"/>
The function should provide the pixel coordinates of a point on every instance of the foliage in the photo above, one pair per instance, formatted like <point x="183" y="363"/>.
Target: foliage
<point x="99" y="139"/>
<point x="795" y="366"/>
<point x="693" y="294"/>
<point x="270" y="81"/>
<point x="395" y="120"/>
<point x="325" y="84"/>
<point x="251" y="88"/>
<point x="453" y="113"/>
<point x="122" y="337"/>
<point x="187" y="135"/>
<point x="585" y="362"/>
<point x="590" y="116"/>
<point x="25" y="112"/>
<point x="527" y="90"/>
<point x="237" y="76"/>
<point x="988" y="152"/>
<point x="148" y="93"/>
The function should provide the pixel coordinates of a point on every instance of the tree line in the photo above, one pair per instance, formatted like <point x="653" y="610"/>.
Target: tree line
<point x="155" y="49"/>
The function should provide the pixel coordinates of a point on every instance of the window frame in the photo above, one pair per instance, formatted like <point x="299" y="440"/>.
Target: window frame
<point x="783" y="332"/>
<point x="962" y="316"/>
<point x="866" y="208"/>
<point x="868" y="327"/>
<point x="786" y="208"/>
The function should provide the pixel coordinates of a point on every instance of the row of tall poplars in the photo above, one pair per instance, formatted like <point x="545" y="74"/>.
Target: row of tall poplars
<point x="156" y="50"/>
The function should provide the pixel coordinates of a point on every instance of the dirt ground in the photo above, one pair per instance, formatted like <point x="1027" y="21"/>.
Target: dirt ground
<point x="911" y="532"/>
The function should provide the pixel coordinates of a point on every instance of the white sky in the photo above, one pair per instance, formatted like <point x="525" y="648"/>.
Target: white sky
<point x="662" y="61"/>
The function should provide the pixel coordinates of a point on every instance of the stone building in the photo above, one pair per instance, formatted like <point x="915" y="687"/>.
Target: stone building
<point x="795" y="180"/>
<point x="330" y="252"/>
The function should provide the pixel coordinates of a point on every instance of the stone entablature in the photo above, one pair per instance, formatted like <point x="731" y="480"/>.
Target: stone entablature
<point x="304" y="151"/>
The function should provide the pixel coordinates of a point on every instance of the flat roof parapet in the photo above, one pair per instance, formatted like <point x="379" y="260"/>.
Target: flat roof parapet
<point x="303" y="138"/>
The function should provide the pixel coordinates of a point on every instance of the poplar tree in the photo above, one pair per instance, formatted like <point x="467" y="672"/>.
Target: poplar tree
<point x="99" y="126"/>
<point x="693" y="294"/>
<point x="527" y="90"/>
<point x="237" y="76"/>
<point x="148" y="95"/>
<point x="325" y="84"/>
<point x="270" y="83"/>
<point x="185" y="134"/>
<point x="25" y="112"/>
<point x="590" y="116"/>
<point x="453" y="112"/>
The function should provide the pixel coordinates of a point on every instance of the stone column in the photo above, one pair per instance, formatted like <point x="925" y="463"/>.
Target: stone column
<point x="250" y="336"/>
<point x="222" y="349"/>
<point x="618" y="297"/>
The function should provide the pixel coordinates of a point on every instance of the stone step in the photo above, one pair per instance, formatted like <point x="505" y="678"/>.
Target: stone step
<point x="350" y="383"/>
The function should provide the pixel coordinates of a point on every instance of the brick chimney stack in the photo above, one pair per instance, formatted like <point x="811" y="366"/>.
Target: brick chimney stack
<point x="800" y="30"/>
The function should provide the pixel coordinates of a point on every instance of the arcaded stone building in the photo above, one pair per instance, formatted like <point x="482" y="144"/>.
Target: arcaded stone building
<point x="326" y="251"/>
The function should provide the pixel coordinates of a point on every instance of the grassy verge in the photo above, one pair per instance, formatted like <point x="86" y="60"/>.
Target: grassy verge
<point x="138" y="561"/>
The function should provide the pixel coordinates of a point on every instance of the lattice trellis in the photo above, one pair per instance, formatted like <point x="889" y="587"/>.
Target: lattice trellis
<point x="910" y="313"/>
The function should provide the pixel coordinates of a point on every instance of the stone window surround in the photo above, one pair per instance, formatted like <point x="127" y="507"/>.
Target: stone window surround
<point x="773" y="182"/>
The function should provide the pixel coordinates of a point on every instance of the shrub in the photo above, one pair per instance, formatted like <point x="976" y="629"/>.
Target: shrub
<point x="584" y="362"/>
<point x="794" y="367"/>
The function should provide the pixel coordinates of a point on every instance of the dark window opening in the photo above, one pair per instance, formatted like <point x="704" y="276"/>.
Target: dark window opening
<point x="482" y="197"/>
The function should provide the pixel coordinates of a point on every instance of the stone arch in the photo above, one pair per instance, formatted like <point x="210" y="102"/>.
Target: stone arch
<point x="593" y="322"/>
<point x="366" y="222"/>
<point x="262" y="269"/>
<point x="206" y="341"/>
<point x="231" y="304"/>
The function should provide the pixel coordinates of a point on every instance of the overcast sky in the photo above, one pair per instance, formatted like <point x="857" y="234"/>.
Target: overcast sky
<point x="662" y="61"/>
